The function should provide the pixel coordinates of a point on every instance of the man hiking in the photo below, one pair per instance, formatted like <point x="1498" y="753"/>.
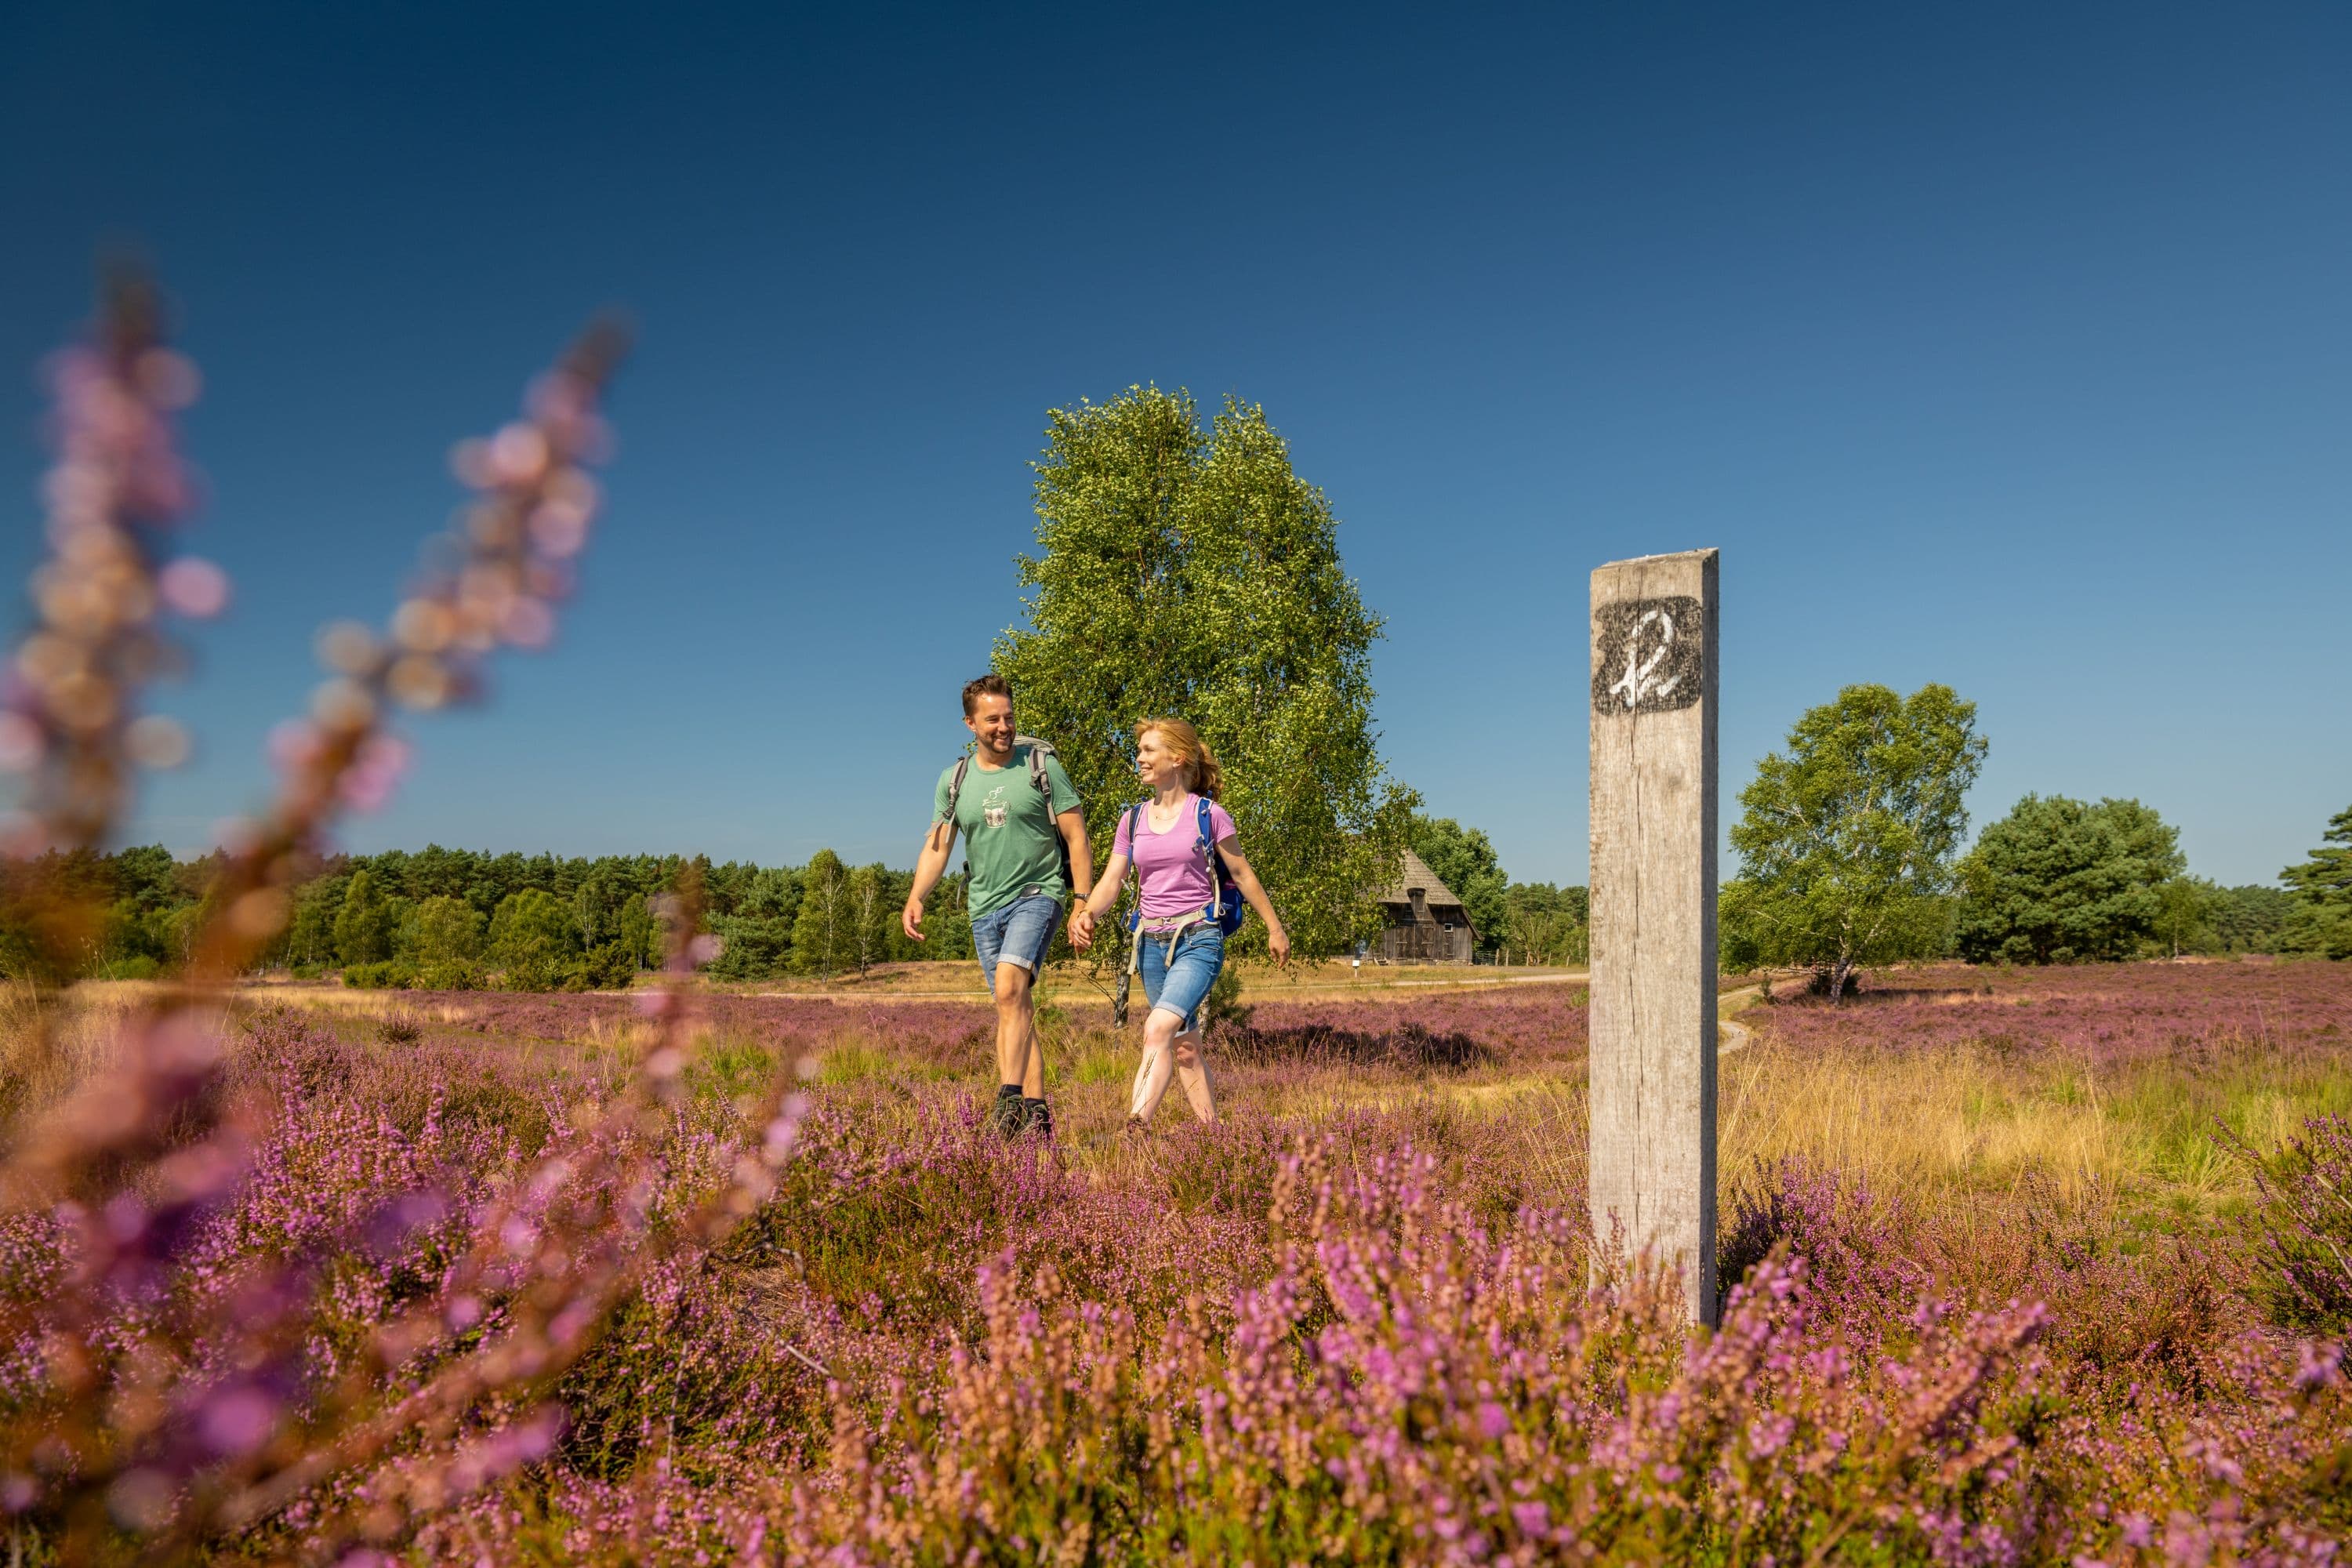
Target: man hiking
<point x="1026" y="846"/>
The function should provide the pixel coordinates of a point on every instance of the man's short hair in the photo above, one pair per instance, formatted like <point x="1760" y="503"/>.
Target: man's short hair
<point x="988" y="685"/>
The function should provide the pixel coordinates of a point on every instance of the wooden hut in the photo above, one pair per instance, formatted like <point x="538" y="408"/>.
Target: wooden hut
<point x="1426" y="924"/>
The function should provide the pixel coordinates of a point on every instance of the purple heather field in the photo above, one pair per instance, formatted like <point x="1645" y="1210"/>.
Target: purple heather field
<point x="1356" y="1321"/>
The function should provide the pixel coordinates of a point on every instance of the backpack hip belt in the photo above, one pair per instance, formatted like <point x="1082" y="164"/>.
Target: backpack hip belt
<point x="1174" y="934"/>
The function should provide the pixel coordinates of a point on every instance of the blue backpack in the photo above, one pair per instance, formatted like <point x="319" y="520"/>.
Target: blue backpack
<point x="1226" y="910"/>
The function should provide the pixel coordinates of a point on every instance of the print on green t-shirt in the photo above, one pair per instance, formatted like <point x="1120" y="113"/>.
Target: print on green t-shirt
<point x="1010" y="842"/>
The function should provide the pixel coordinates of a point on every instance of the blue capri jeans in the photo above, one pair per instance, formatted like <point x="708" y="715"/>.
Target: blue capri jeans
<point x="1178" y="984"/>
<point x="1017" y="934"/>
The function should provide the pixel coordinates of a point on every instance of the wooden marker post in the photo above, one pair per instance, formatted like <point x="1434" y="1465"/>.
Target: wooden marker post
<point x="1653" y="1002"/>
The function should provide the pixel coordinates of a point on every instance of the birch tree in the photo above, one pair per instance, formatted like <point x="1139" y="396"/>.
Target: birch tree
<point x="1847" y="842"/>
<point x="1190" y="573"/>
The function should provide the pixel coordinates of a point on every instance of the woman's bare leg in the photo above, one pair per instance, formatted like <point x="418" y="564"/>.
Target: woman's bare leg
<point x="1151" y="1078"/>
<point x="1193" y="1073"/>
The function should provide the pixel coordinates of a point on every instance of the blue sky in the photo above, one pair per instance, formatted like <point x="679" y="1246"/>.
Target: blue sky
<point x="2008" y="346"/>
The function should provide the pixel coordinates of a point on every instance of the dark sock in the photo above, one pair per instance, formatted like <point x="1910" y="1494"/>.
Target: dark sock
<point x="1008" y="1092"/>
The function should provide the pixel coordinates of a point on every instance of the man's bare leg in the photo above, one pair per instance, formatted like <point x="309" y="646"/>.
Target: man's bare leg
<point x="1016" y="1023"/>
<point x="1020" y="1055"/>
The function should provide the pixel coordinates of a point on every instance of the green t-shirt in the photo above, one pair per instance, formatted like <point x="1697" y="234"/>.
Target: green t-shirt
<point x="1010" y="842"/>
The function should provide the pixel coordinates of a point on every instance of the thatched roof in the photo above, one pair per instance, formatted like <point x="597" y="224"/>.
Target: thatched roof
<point x="1415" y="874"/>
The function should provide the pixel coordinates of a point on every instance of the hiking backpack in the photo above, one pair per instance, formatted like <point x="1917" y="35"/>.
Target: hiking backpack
<point x="1039" y="751"/>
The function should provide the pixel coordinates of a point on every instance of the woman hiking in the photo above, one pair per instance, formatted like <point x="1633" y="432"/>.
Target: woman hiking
<point x="1180" y="937"/>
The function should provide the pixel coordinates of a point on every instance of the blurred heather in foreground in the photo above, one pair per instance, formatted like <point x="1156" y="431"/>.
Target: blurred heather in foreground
<point x="237" y="1300"/>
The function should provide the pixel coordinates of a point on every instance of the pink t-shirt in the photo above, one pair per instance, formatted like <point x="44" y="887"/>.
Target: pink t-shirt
<point x="1176" y="879"/>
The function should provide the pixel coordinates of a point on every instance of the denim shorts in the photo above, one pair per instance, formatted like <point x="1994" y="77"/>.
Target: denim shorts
<point x="1019" y="933"/>
<point x="1177" y="986"/>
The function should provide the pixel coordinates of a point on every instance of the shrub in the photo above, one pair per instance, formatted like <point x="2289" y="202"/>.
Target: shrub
<point x="613" y="966"/>
<point x="449" y="974"/>
<point x="400" y="1026"/>
<point x="392" y="975"/>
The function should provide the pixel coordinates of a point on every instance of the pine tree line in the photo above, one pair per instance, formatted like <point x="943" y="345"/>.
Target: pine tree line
<point x="453" y="919"/>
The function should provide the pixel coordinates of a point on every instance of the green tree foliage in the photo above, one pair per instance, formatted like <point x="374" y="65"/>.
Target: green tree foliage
<point x="2196" y="915"/>
<point x="443" y="939"/>
<point x="1847" y="842"/>
<point x="640" y="934"/>
<point x="2251" y="918"/>
<point x="147" y="907"/>
<point x="2060" y="881"/>
<point x="1193" y="574"/>
<point x="1543" y="924"/>
<point x="2321" y="920"/>
<point x="824" y="932"/>
<point x="444" y="929"/>
<point x="2185" y="910"/>
<point x="1464" y="861"/>
<point x="871" y="915"/>
<point x="139" y="935"/>
<point x="365" y="923"/>
<point x="308" y="941"/>
<point x="756" y="938"/>
<point x="532" y="940"/>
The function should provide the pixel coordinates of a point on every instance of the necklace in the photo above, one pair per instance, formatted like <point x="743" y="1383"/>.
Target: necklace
<point x="1151" y="815"/>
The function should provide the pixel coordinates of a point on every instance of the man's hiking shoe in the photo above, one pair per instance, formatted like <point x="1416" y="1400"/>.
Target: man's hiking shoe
<point x="1136" y="1133"/>
<point x="1036" y="1120"/>
<point x="1008" y="1115"/>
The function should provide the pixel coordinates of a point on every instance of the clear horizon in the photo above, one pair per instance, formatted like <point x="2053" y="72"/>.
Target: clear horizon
<point x="1993" y="346"/>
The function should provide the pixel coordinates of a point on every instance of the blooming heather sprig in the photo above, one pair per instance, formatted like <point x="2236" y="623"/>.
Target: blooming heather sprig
<point x="117" y="490"/>
<point x="144" y="1148"/>
<point x="174" y="1424"/>
<point x="340" y="757"/>
<point x="499" y="578"/>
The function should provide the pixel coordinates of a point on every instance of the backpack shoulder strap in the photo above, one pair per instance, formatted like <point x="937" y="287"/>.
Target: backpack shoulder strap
<point x="1209" y="838"/>
<point x="1039" y="751"/>
<point x="1134" y="827"/>
<point x="955" y="786"/>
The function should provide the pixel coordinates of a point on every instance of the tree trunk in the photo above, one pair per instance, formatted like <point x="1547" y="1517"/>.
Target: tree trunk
<point x="1838" y="973"/>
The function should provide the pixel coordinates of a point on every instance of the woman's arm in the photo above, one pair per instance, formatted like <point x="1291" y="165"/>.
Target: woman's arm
<point x="1277" y="940"/>
<point x="1107" y="886"/>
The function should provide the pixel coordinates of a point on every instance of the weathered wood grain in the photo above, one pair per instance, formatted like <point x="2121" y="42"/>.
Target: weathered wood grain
<point x="1654" y="954"/>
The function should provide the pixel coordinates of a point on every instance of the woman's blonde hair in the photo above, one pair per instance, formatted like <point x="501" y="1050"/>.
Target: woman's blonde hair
<point x="1191" y="750"/>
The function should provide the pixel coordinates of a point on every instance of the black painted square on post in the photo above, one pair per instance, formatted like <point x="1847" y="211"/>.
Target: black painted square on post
<point x="1652" y="655"/>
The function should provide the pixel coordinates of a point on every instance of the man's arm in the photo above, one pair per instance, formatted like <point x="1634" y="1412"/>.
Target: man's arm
<point x="930" y="867"/>
<point x="1070" y="821"/>
<point x="1072" y="824"/>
